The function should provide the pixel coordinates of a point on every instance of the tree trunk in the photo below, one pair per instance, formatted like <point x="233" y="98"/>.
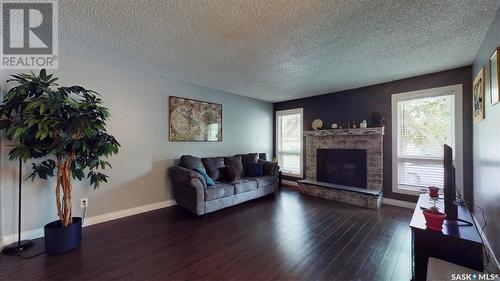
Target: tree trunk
<point x="67" y="217"/>
<point x="67" y="220"/>
<point x="58" y="187"/>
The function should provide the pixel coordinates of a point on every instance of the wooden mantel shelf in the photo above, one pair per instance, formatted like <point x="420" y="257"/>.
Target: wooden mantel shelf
<point x="344" y="132"/>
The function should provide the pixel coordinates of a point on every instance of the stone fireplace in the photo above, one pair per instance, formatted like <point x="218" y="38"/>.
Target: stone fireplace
<point x="350" y="165"/>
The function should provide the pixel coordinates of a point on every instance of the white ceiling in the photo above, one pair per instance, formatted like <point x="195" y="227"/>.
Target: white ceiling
<point x="278" y="50"/>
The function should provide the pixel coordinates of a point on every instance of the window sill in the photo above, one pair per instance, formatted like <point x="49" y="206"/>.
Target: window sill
<point x="291" y="175"/>
<point x="407" y="191"/>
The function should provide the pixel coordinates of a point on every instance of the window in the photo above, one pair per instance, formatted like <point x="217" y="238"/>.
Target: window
<point x="289" y="141"/>
<point x="424" y="121"/>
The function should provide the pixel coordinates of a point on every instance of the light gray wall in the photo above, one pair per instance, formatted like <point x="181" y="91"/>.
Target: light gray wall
<point x="138" y="104"/>
<point x="486" y="152"/>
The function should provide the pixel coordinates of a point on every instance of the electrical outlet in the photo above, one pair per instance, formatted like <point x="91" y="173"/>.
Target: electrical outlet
<point x="84" y="202"/>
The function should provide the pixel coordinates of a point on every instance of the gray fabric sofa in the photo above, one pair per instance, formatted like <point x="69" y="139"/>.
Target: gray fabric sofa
<point x="191" y="190"/>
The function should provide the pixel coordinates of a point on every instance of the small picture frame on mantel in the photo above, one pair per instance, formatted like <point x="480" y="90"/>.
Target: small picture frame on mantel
<point x="495" y="77"/>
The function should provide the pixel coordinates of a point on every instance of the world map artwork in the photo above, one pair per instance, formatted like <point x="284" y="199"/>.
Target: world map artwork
<point x="193" y="120"/>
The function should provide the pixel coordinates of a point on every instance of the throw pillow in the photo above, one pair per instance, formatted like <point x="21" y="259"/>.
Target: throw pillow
<point x="209" y="180"/>
<point x="268" y="167"/>
<point x="254" y="170"/>
<point x="191" y="162"/>
<point x="235" y="162"/>
<point x="248" y="158"/>
<point x="212" y="165"/>
<point x="229" y="174"/>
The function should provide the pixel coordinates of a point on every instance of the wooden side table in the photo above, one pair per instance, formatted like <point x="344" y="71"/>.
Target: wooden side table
<point x="457" y="242"/>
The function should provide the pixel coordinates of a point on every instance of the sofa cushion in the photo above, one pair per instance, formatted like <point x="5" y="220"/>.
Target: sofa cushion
<point x="244" y="185"/>
<point x="212" y="165"/>
<point x="219" y="190"/>
<point x="248" y="158"/>
<point x="235" y="162"/>
<point x="229" y="174"/>
<point x="203" y="173"/>
<point x="254" y="170"/>
<point x="191" y="162"/>
<point x="264" y="181"/>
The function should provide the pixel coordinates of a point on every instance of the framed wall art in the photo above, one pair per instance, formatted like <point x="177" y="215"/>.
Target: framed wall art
<point x="478" y="97"/>
<point x="494" y="77"/>
<point x="194" y="121"/>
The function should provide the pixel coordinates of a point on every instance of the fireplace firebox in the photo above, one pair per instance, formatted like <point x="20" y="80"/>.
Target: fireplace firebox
<point x="342" y="166"/>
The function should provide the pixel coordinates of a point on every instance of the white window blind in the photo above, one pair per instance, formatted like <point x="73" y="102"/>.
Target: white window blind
<point x="424" y="124"/>
<point x="289" y="141"/>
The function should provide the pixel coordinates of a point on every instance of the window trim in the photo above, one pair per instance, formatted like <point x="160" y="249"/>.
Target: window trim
<point x="301" y="146"/>
<point x="456" y="91"/>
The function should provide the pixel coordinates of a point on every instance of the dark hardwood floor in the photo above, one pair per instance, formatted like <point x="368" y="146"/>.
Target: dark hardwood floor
<point x="290" y="236"/>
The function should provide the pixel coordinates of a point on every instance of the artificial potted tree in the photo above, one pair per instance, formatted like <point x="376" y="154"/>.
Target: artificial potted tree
<point x="62" y="130"/>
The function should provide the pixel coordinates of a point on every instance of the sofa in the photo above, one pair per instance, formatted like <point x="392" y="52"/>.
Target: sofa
<point x="231" y="184"/>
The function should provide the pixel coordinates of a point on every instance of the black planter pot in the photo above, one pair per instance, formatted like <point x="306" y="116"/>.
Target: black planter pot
<point x="59" y="239"/>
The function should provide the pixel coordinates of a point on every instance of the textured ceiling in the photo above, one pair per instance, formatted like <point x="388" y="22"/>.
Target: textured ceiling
<point x="278" y="50"/>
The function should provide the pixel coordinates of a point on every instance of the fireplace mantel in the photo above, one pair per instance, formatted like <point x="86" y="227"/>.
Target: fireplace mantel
<point x="345" y="132"/>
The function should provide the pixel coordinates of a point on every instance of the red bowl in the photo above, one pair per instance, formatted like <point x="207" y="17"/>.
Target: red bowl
<point x="434" y="220"/>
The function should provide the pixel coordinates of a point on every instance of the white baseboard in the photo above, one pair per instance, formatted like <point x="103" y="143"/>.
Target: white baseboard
<point x="30" y="234"/>
<point x="37" y="233"/>
<point x="128" y="212"/>
<point x="491" y="254"/>
<point x="399" y="203"/>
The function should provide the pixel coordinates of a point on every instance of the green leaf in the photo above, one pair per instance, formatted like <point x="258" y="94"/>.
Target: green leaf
<point x="19" y="132"/>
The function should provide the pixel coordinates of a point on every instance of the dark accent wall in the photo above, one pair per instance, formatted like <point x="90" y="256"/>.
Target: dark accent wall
<point x="358" y="104"/>
<point x="486" y="152"/>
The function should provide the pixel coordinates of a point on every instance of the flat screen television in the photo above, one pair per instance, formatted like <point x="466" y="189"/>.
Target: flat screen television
<point x="449" y="187"/>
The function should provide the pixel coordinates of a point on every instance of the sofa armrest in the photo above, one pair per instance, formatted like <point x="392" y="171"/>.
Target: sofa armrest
<point x="270" y="168"/>
<point x="184" y="176"/>
<point x="189" y="189"/>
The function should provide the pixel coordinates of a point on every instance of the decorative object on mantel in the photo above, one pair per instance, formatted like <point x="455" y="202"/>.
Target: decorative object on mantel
<point x="193" y="120"/>
<point x="353" y="125"/>
<point x="335" y="126"/>
<point x="478" y="97"/>
<point x="495" y="77"/>
<point x="351" y="131"/>
<point x="363" y="125"/>
<point x="378" y="120"/>
<point x="317" y="124"/>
